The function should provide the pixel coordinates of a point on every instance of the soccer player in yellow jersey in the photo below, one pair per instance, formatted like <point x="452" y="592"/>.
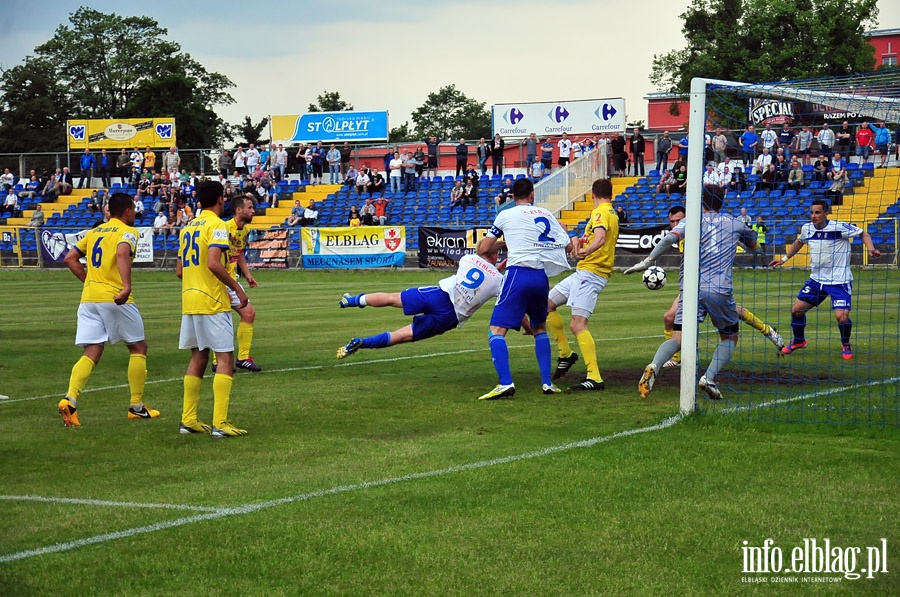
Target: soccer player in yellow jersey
<point x="107" y="312"/>
<point x="242" y="208"/>
<point x="206" y="311"/>
<point x="580" y="290"/>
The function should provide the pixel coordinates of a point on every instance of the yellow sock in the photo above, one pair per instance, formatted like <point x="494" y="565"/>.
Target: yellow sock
<point x="555" y="326"/>
<point x="137" y="377"/>
<point x="755" y="322"/>
<point x="589" y="352"/>
<point x="244" y="339"/>
<point x="191" y="399"/>
<point x="215" y="361"/>
<point x="221" y="397"/>
<point x="667" y="334"/>
<point x="81" y="371"/>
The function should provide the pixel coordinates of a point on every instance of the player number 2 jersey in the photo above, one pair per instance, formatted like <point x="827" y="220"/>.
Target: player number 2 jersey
<point x="201" y="292"/>
<point x="99" y="247"/>
<point x="476" y="282"/>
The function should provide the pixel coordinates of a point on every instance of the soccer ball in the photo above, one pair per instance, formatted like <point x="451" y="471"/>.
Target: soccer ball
<point x="654" y="277"/>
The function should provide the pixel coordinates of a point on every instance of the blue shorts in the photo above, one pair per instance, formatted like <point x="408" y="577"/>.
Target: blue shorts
<point x="525" y="292"/>
<point x="814" y="293"/>
<point x="433" y="310"/>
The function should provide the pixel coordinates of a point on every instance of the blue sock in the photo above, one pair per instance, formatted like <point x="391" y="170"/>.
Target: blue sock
<point x="543" y="354"/>
<point x="798" y="326"/>
<point x="380" y="341"/>
<point x="500" y="357"/>
<point x="845" y="331"/>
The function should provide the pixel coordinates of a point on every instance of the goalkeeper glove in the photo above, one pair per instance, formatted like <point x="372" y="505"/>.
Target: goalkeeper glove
<point x="641" y="266"/>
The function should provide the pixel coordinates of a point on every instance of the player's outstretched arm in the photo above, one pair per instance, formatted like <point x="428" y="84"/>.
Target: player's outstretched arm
<point x="870" y="246"/>
<point x="793" y="250"/>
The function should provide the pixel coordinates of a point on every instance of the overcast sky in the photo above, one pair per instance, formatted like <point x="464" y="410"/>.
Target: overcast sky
<point x="391" y="55"/>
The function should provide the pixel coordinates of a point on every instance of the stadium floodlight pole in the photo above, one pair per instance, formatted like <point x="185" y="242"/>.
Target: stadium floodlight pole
<point x="693" y="207"/>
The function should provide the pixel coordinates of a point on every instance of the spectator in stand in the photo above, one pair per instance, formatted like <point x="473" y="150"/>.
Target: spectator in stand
<point x="456" y="195"/>
<point x="171" y="160"/>
<point x="738" y="182"/>
<point x="296" y="214"/>
<point x="88" y="163"/>
<point x="826" y="141"/>
<point x="725" y="177"/>
<point x="803" y="143"/>
<point x="864" y="138"/>
<point x="761" y="230"/>
<point x="482" y="152"/>
<point x="123" y="166"/>
<point x="619" y="156"/>
<point x="350" y="177"/>
<point x="7" y="180"/>
<point x="472" y="174"/>
<point x="749" y="142"/>
<point x="105" y="166"/>
<point x="680" y="185"/>
<point x="253" y="158"/>
<point x="531" y="146"/>
<point x="577" y="149"/>
<point x="362" y="182"/>
<point x="433" y="144"/>
<point x="536" y="172"/>
<point x="882" y="142"/>
<point x="498" y="146"/>
<point x="32" y="188"/>
<point x="470" y="192"/>
<point x="367" y="213"/>
<point x="138" y="206"/>
<point x="240" y="160"/>
<point x="11" y="204"/>
<point x="843" y="139"/>
<point x="719" y="145"/>
<point x="663" y="147"/>
<point x="763" y="161"/>
<point x="786" y="141"/>
<point x="279" y="162"/>
<point x="711" y="176"/>
<point x="838" y="177"/>
<point x="682" y="146"/>
<point x="334" y="164"/>
<point x="462" y="157"/>
<point x="376" y="182"/>
<point x="387" y="159"/>
<point x="381" y="204"/>
<point x="636" y="147"/>
<point x="782" y="168"/>
<point x="744" y="218"/>
<point x="95" y="203"/>
<point x="159" y="223"/>
<point x="52" y="187"/>
<point x="346" y="154"/>
<point x="565" y="150"/>
<point x="37" y="217"/>
<point x="420" y="158"/>
<point x="769" y="178"/>
<point x="353" y="218"/>
<point x="149" y="160"/>
<point x="666" y="183"/>
<point x="310" y="214"/>
<point x="137" y="161"/>
<point x="547" y="154"/>
<point x="505" y="194"/>
<point x="821" y="168"/>
<point x="395" y="167"/>
<point x="318" y="161"/>
<point x="410" y="165"/>
<point x="621" y="214"/>
<point x="225" y="163"/>
<point x="795" y="176"/>
<point x="301" y="161"/>
<point x="768" y="139"/>
<point x="725" y="165"/>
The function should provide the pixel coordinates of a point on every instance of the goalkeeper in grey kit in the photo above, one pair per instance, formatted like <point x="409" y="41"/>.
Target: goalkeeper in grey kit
<point x="719" y="238"/>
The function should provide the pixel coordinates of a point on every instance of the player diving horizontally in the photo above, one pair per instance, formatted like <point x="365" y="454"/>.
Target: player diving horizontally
<point x="437" y="309"/>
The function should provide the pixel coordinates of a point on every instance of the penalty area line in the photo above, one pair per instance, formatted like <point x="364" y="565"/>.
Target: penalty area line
<point x="250" y="508"/>
<point x="89" y="502"/>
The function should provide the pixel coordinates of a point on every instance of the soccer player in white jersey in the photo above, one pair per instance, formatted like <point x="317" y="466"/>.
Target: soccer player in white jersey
<point x="830" y="276"/>
<point x="536" y="248"/>
<point x="719" y="238"/>
<point x="107" y="312"/>
<point x="437" y="309"/>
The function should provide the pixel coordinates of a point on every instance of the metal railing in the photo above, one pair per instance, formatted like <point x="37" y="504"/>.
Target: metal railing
<point x="567" y="185"/>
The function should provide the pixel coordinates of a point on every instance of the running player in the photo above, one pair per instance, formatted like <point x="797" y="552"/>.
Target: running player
<point x="107" y="312"/>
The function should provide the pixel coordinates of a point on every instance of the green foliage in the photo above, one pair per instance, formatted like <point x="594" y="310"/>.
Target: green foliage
<point x="768" y="40"/>
<point x="108" y="66"/>
<point x="402" y="133"/>
<point x="450" y="114"/>
<point x="33" y="108"/>
<point x="249" y="132"/>
<point x="330" y="101"/>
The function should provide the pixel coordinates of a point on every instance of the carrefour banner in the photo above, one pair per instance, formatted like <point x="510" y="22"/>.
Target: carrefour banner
<point x="122" y="133"/>
<point x="355" y="247"/>
<point x="640" y="240"/>
<point x="444" y="247"/>
<point x="555" y="118"/>
<point x="54" y="244"/>
<point x="330" y="127"/>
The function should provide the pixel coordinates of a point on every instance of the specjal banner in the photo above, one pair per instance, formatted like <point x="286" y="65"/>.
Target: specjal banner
<point x="267" y="249"/>
<point x="124" y="133"/>
<point x="444" y="247"/>
<point x="353" y="247"/>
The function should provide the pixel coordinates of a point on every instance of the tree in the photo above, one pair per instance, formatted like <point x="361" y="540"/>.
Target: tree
<point x="402" y="133"/>
<point x="765" y="40"/>
<point x="249" y="132"/>
<point x="450" y="114"/>
<point x="123" y="67"/>
<point x="33" y="108"/>
<point x="330" y="101"/>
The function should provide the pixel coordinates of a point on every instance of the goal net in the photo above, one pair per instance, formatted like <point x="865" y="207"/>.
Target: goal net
<point x="788" y="147"/>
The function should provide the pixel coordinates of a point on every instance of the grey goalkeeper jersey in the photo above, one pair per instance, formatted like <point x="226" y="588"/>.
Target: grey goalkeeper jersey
<point x="719" y="237"/>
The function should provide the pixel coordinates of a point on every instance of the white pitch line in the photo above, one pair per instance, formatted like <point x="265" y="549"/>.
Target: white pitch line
<point x="87" y="502"/>
<point x="811" y="395"/>
<point x="354" y="363"/>
<point x="249" y="508"/>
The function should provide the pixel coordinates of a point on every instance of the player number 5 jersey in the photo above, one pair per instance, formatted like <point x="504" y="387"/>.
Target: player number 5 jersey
<point x="829" y="251"/>
<point x="476" y="281"/>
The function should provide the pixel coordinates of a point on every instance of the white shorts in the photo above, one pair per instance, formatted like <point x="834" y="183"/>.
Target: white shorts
<point x="235" y="301"/>
<point x="108" y="322"/>
<point x="215" y="332"/>
<point x="579" y="291"/>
